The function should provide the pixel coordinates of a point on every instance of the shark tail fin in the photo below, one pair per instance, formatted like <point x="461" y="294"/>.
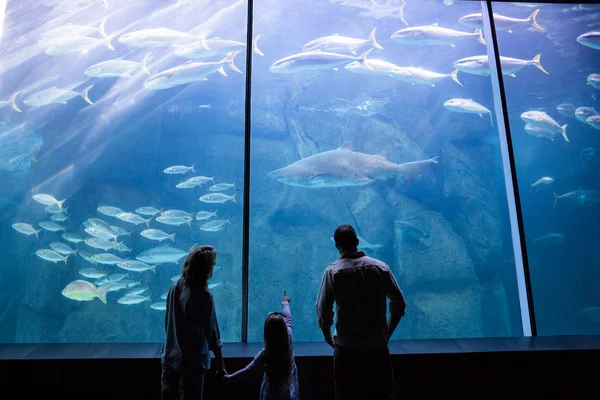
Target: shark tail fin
<point x="13" y="101"/>
<point x="373" y="41"/>
<point x="454" y="77"/>
<point x="536" y="62"/>
<point x="255" y="45"/>
<point x="563" y="130"/>
<point x="479" y="36"/>
<point x="533" y="22"/>
<point x="85" y="94"/>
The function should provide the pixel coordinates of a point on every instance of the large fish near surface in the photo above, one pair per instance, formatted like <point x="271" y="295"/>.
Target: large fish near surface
<point x="580" y="197"/>
<point x="55" y="95"/>
<point x="314" y="61"/>
<point x="160" y="37"/>
<point x="422" y="76"/>
<point x="335" y="43"/>
<point x="161" y="254"/>
<point x="371" y="67"/>
<point x="501" y="22"/>
<point x="434" y="34"/>
<point x="545" y="122"/>
<point x="480" y="65"/>
<point x="590" y="39"/>
<point x="117" y="68"/>
<point x="215" y="47"/>
<point x="343" y="167"/>
<point x="189" y="72"/>
<point x="468" y="106"/>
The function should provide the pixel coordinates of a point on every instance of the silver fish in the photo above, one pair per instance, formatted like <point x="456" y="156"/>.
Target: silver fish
<point x="156" y="234"/>
<point x="215" y="225"/>
<point x="501" y="22"/>
<point x="52" y="227"/>
<point x="335" y="43"/>
<point x="51" y="255"/>
<point x="160" y="37"/>
<point x="590" y="39"/>
<point x="109" y="211"/>
<point x="161" y="254"/>
<point x="434" y="34"/>
<point x="55" y="95"/>
<point x="136" y="266"/>
<point x="117" y="68"/>
<point x="314" y="61"/>
<point x="544" y="121"/>
<point x="468" y="106"/>
<point x="62" y="248"/>
<point x="479" y="65"/>
<point x="107" y="258"/>
<point x="26" y="229"/>
<point x="566" y="109"/>
<point x="213" y="198"/>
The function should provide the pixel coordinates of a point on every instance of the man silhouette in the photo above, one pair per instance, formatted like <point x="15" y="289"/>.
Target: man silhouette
<point x="359" y="286"/>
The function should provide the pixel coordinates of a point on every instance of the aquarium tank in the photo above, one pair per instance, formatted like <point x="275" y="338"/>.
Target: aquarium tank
<point x="124" y="144"/>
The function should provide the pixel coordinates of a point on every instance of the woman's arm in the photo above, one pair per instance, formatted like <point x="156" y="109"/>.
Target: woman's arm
<point x="285" y="310"/>
<point x="256" y="367"/>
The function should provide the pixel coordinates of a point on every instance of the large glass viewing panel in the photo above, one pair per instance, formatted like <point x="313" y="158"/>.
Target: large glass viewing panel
<point x="554" y="123"/>
<point x="113" y="107"/>
<point x="331" y="135"/>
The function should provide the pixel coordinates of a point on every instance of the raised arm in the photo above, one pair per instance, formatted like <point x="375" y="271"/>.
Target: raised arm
<point x="285" y="310"/>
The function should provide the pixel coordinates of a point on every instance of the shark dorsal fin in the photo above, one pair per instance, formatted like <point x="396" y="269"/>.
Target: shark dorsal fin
<point x="347" y="146"/>
<point x="383" y="154"/>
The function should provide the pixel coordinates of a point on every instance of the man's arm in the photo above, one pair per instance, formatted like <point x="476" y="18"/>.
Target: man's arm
<point x="325" y="307"/>
<point x="397" y="303"/>
<point x="213" y="336"/>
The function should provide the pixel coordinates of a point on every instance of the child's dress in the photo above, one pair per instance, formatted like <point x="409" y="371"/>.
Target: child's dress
<point x="257" y="366"/>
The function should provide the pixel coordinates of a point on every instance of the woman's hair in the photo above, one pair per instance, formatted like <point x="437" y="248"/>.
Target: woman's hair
<point x="278" y="352"/>
<point x="198" y="266"/>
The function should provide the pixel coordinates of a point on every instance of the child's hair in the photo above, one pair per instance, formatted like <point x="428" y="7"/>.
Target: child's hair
<point x="278" y="352"/>
<point x="198" y="266"/>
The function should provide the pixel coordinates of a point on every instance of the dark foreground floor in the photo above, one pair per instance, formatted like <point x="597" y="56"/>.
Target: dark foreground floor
<point x="548" y="368"/>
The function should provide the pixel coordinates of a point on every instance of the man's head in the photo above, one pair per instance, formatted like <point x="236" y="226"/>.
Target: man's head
<point x="345" y="239"/>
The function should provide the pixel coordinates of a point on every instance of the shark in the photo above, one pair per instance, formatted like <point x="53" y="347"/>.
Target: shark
<point x="344" y="167"/>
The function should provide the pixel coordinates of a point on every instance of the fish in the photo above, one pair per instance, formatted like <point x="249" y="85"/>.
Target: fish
<point x="160" y="37"/>
<point x="176" y="214"/>
<point x="593" y="121"/>
<point x="52" y="256"/>
<point x="215" y="284"/>
<point x="162" y="306"/>
<point x="117" y="68"/>
<point x="189" y="72"/>
<point x="202" y="215"/>
<point x="214" y="225"/>
<point x="590" y="39"/>
<point x="580" y="197"/>
<point x="120" y="231"/>
<point x="92" y="273"/>
<point x="22" y="161"/>
<point x="48" y="200"/>
<point x="501" y="22"/>
<point x="336" y="43"/>
<point x="434" y="34"/>
<point x="99" y="243"/>
<point x="544" y="121"/>
<point x="221" y="186"/>
<point x="151" y="211"/>
<point x="11" y="102"/>
<point x="121" y="247"/>
<point x="81" y="290"/>
<point x="540" y="132"/>
<point x="215" y="47"/>
<point x="134" y="219"/>
<point x="545" y="180"/>
<point x="156" y="234"/>
<point x="411" y="230"/>
<point x="566" y="109"/>
<point x="468" y="106"/>
<point x="173" y="220"/>
<point x="102" y="233"/>
<point x="314" y="61"/>
<point x="371" y="67"/>
<point x="130" y="299"/>
<point x="179" y="169"/>
<point x="136" y="266"/>
<point x="200" y="180"/>
<point x="587" y="154"/>
<point x="76" y="44"/>
<point x="161" y="255"/>
<point x="594" y="80"/>
<point x="55" y="209"/>
<point x="87" y="257"/>
<point x="213" y="198"/>
<point x="166" y="294"/>
<point x="422" y="76"/>
<point x="107" y="258"/>
<point x="59" y="217"/>
<point x="343" y="167"/>
<point x="185" y="185"/>
<point x="99" y="223"/>
<point x="548" y="238"/>
<point x="71" y="30"/>
<point x="109" y="211"/>
<point x="479" y="65"/>
<point x="26" y="229"/>
<point x="62" y="248"/>
<point x="119" y="277"/>
<point x="138" y="290"/>
<point x="52" y="227"/>
<point x="55" y="95"/>
<point x="583" y="113"/>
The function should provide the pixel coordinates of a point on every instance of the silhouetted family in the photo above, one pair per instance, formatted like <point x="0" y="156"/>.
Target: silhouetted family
<point x="358" y="285"/>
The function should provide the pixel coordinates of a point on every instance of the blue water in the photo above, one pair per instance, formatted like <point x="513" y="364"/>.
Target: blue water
<point x="446" y="235"/>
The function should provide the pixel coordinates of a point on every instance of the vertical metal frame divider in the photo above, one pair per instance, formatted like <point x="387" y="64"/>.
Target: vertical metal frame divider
<point x="510" y="174"/>
<point x="246" y="205"/>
